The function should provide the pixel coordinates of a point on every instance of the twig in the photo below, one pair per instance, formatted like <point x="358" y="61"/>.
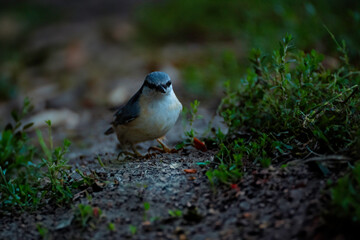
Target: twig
<point x="327" y="158"/>
<point x="322" y="158"/>
<point x="356" y="90"/>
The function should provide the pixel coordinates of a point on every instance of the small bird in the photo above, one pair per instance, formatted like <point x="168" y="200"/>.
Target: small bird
<point x="149" y="114"/>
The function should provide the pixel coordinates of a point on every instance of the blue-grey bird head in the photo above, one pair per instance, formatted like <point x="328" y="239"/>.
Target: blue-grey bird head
<point x="158" y="82"/>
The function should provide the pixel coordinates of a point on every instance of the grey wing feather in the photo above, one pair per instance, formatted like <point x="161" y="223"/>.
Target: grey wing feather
<point x="129" y="112"/>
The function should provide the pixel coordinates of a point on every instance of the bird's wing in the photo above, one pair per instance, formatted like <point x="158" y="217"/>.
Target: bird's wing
<point x="129" y="112"/>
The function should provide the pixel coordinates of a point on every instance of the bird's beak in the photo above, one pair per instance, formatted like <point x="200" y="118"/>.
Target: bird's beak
<point x="161" y="89"/>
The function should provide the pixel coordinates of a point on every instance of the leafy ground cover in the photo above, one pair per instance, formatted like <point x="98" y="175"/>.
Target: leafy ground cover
<point x="289" y="107"/>
<point x="31" y="177"/>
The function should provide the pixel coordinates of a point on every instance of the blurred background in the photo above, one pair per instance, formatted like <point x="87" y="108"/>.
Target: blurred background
<point x="75" y="59"/>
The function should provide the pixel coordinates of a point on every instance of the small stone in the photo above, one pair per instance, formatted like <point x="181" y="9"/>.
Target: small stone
<point x="279" y="223"/>
<point x="244" y="205"/>
<point x="213" y="211"/>
<point x="263" y="225"/>
<point x="182" y="237"/>
<point x="217" y="225"/>
<point x="179" y="230"/>
<point x="146" y="225"/>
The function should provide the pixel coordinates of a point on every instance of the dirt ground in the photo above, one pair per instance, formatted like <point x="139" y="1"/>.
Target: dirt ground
<point x="273" y="203"/>
<point x="90" y="66"/>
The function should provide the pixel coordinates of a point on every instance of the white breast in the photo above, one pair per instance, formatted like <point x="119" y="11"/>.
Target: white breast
<point x="157" y="116"/>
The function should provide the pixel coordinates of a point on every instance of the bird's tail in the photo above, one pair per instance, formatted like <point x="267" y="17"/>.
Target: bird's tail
<point x="109" y="131"/>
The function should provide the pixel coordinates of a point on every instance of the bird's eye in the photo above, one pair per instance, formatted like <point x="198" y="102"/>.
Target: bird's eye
<point x="168" y="83"/>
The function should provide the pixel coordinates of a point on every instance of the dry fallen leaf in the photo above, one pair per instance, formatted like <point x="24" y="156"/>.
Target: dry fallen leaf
<point x="79" y="194"/>
<point x="96" y="212"/>
<point x="190" y="170"/>
<point x="199" y="145"/>
<point x="247" y="215"/>
<point x="234" y="186"/>
<point x="263" y="225"/>
<point x="116" y="182"/>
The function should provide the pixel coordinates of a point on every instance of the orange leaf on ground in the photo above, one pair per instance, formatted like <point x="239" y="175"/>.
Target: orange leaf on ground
<point x="247" y="215"/>
<point x="199" y="145"/>
<point x="190" y="170"/>
<point x="96" y="212"/>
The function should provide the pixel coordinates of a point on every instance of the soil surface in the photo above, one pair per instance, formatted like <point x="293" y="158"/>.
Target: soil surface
<point x="89" y="66"/>
<point x="273" y="203"/>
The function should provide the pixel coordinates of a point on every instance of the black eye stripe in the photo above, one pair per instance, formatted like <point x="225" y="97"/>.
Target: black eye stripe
<point x="154" y="86"/>
<point x="150" y="85"/>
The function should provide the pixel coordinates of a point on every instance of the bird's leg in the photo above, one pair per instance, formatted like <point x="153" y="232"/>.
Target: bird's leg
<point x="133" y="154"/>
<point x="155" y="149"/>
<point x="136" y="151"/>
<point x="166" y="148"/>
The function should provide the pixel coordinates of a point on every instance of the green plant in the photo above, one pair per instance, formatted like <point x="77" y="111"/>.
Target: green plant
<point x="133" y="229"/>
<point x="15" y="151"/>
<point x="17" y="167"/>
<point x="146" y="206"/>
<point x="111" y="227"/>
<point x="43" y="231"/>
<point x="30" y="177"/>
<point x="288" y="106"/>
<point x="86" y="214"/>
<point x="345" y="197"/>
<point x="230" y="164"/>
<point x="175" y="213"/>
<point x="146" y="209"/>
<point x="100" y="161"/>
<point x="190" y="115"/>
<point x="56" y="167"/>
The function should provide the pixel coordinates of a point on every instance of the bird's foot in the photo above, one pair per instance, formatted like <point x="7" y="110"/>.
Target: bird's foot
<point x="127" y="154"/>
<point x="149" y="155"/>
<point x="164" y="149"/>
<point x="133" y="154"/>
<point x="141" y="156"/>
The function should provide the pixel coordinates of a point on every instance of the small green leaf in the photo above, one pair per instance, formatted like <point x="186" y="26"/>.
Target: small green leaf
<point x="132" y="229"/>
<point x="29" y="125"/>
<point x="111" y="227"/>
<point x="146" y="206"/>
